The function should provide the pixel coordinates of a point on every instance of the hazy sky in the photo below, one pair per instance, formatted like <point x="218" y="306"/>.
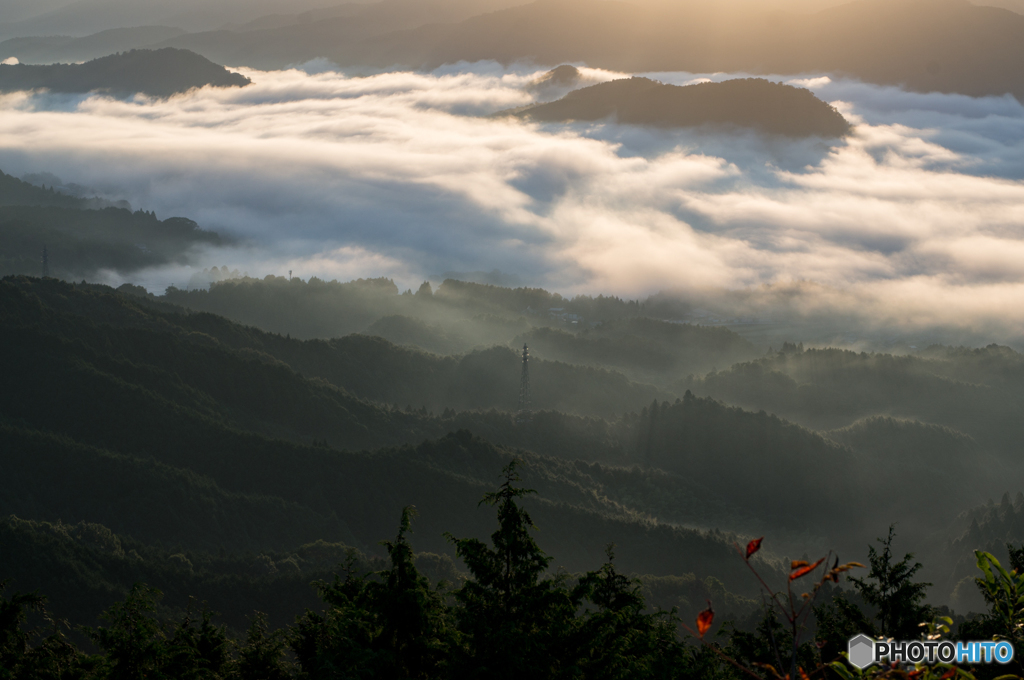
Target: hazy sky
<point x="918" y="218"/>
<point x="82" y="17"/>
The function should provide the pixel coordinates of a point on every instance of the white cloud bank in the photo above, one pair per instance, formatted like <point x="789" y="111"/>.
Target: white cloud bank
<point x="917" y="219"/>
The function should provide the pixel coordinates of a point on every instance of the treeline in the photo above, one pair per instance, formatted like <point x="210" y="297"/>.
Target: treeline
<point x="742" y="102"/>
<point x="461" y="317"/>
<point x="248" y="411"/>
<point x="326" y="309"/>
<point x="14" y="191"/>
<point x="146" y="420"/>
<point x="974" y="391"/>
<point x="511" y="617"/>
<point x="85" y="236"/>
<point x="644" y="349"/>
<point x="159" y="73"/>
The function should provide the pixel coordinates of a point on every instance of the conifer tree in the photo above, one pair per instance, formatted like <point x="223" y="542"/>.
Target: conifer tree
<point x="515" y="621"/>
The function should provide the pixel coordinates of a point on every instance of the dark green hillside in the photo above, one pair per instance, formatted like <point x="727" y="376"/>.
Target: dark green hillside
<point x="609" y="332"/>
<point x="170" y="408"/>
<point x="749" y="102"/>
<point x="977" y="392"/>
<point x="53" y="477"/>
<point x="84" y="567"/>
<point x="80" y="243"/>
<point x="375" y="369"/>
<point x="483" y="379"/>
<point x="144" y="442"/>
<point x="944" y="460"/>
<point x="995" y="525"/>
<point x="159" y="73"/>
<point x="14" y="191"/>
<point x="644" y="349"/>
<point x="454" y="337"/>
<point x="313" y="309"/>
<point x="200" y="382"/>
<point x="322" y="309"/>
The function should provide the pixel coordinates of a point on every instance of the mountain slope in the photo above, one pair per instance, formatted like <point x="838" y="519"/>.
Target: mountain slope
<point x="82" y="242"/>
<point x="66" y="49"/>
<point x="750" y="102"/>
<point x="945" y="45"/>
<point x="159" y="73"/>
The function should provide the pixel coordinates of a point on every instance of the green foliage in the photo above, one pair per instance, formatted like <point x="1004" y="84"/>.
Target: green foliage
<point x="513" y="617"/>
<point x="1004" y="591"/>
<point x="394" y="625"/>
<point x="14" y="642"/>
<point x="889" y="588"/>
<point x="618" y="638"/>
<point x="262" y="655"/>
<point x="770" y="644"/>
<point x="839" y="619"/>
<point x="133" y="641"/>
<point x="207" y="462"/>
<point x="197" y="652"/>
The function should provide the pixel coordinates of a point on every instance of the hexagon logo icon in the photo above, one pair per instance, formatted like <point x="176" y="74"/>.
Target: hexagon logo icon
<point x="861" y="650"/>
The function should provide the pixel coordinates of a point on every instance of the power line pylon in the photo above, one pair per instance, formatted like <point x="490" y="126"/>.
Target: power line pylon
<point x="46" y="263"/>
<point x="524" y="387"/>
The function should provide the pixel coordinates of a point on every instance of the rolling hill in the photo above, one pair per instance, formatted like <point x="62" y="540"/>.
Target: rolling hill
<point x="158" y="73"/>
<point x="749" y="102"/>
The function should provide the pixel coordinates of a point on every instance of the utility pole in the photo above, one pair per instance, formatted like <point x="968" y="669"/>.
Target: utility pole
<point x="46" y="263"/>
<point x="524" y="386"/>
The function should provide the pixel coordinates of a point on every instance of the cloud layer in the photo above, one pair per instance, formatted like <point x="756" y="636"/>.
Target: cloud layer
<point x="916" y="220"/>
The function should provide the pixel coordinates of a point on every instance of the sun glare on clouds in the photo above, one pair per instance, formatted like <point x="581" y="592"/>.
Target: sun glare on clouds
<point x="405" y="175"/>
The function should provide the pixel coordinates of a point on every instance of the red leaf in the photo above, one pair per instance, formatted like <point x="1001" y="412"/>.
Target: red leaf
<point x="803" y="571"/>
<point x="754" y="546"/>
<point x="948" y="674"/>
<point x="704" y="620"/>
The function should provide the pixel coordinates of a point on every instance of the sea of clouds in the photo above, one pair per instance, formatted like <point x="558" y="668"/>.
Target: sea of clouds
<point x="916" y="219"/>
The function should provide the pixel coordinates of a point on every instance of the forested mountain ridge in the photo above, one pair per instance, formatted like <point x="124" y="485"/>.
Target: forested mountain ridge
<point x="169" y="422"/>
<point x="749" y="102"/>
<point x="460" y="316"/>
<point x="82" y="242"/>
<point x="14" y="191"/>
<point x="84" y="236"/>
<point x="975" y="391"/>
<point x="158" y="73"/>
<point x="737" y="452"/>
<point x="62" y="49"/>
<point x="211" y="414"/>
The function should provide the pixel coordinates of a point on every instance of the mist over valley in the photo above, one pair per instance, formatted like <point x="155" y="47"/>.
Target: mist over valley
<point x="637" y="284"/>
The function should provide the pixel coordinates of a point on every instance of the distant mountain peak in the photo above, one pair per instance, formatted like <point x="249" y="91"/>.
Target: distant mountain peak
<point x="160" y="73"/>
<point x="564" y="75"/>
<point x="747" y="102"/>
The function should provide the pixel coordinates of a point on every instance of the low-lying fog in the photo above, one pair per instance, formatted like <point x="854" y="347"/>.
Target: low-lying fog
<point x="916" y="219"/>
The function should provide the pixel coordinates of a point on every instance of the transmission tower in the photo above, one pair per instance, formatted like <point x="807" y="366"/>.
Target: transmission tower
<point x="524" y="383"/>
<point x="46" y="263"/>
